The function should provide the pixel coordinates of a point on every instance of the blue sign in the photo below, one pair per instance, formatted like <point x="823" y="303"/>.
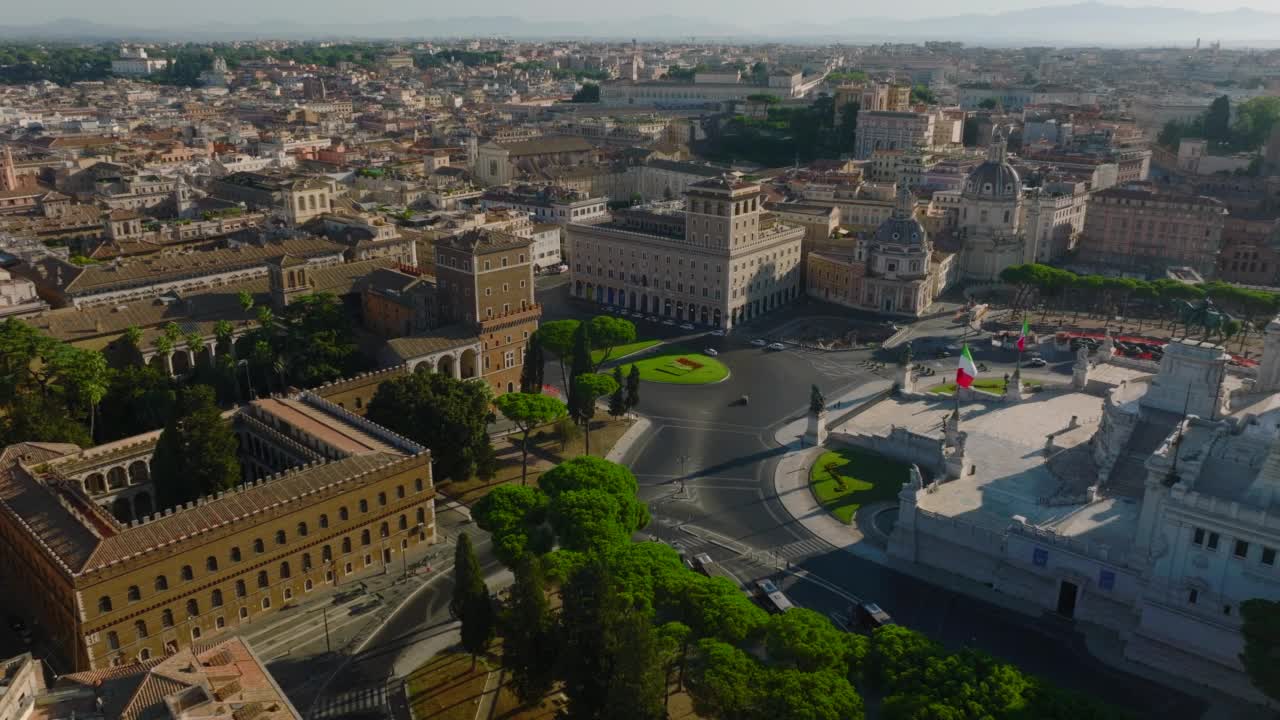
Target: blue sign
<point x="1040" y="556"/>
<point x="1106" y="579"/>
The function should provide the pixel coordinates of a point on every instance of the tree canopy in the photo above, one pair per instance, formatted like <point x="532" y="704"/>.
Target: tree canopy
<point x="1261" y="630"/>
<point x="196" y="454"/>
<point x="448" y="416"/>
<point x="529" y="411"/>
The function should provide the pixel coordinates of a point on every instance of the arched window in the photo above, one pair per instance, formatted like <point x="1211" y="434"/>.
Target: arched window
<point x="104" y="604"/>
<point x="235" y="554"/>
<point x="280" y="539"/>
<point x="324" y="521"/>
<point x="422" y="516"/>
<point x="400" y="492"/>
<point x="134" y="593"/>
<point x="302" y="529"/>
<point x="326" y="554"/>
<point x="384" y="530"/>
<point x="364" y="505"/>
<point x="241" y="590"/>
<point x="262" y="579"/>
<point x="113" y="640"/>
<point x="215" y="598"/>
<point x="193" y="608"/>
<point x="166" y="618"/>
<point x="417" y="485"/>
<point x="284" y="569"/>
<point x="187" y="573"/>
<point x="365" y="539"/>
<point x="211" y="564"/>
<point x="382" y="499"/>
<point x="346" y="545"/>
<point x="162" y="583"/>
<point x="258" y="546"/>
<point x="342" y="513"/>
<point x="306" y="562"/>
<point x="140" y="627"/>
<point x="404" y="522"/>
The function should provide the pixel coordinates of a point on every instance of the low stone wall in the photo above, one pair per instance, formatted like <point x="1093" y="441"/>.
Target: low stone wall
<point x="900" y="444"/>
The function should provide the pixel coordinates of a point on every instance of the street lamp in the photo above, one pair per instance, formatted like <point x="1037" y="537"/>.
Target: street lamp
<point x="247" y="376"/>
<point x="682" y="460"/>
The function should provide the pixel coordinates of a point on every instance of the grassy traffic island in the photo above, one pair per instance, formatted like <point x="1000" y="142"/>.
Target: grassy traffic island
<point x="678" y="367"/>
<point x="992" y="385"/>
<point x="621" y="351"/>
<point x="846" y="479"/>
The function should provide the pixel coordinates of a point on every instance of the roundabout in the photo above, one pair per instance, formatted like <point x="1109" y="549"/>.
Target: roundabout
<point x="677" y="367"/>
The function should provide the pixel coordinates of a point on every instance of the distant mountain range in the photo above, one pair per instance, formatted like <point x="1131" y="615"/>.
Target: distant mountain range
<point x="1089" y="23"/>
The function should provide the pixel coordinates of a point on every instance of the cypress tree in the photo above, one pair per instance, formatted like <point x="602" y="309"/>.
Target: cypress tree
<point x="471" y="603"/>
<point x="534" y="364"/>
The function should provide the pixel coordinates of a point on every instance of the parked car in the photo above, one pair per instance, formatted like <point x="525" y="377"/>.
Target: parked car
<point x="687" y="326"/>
<point x="777" y="346"/>
<point x="1035" y="362"/>
<point x="759" y="342"/>
<point x="652" y="318"/>
<point x="710" y="351"/>
<point x="717" y="333"/>
<point x="668" y="321"/>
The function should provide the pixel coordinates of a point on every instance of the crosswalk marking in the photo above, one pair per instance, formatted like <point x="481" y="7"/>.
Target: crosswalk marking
<point x="356" y="702"/>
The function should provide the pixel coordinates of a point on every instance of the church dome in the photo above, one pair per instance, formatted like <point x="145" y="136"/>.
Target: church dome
<point x="902" y="228"/>
<point x="994" y="179"/>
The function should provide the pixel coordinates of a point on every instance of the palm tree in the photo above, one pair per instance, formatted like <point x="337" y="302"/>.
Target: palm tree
<point x="133" y="335"/>
<point x="224" y="331"/>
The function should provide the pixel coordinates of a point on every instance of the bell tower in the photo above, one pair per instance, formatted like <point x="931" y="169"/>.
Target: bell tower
<point x="289" y="280"/>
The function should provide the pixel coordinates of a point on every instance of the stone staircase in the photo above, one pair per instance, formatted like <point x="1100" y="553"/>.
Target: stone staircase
<point x="1129" y="474"/>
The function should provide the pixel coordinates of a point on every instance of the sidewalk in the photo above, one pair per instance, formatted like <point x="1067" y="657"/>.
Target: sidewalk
<point x="791" y="485"/>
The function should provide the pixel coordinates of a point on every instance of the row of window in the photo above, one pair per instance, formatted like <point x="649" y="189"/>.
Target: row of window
<point x="187" y="574"/>
<point x="1210" y="540"/>
<point x="263" y="581"/>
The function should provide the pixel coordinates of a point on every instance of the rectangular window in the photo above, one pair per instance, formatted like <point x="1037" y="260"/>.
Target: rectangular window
<point x="1193" y="595"/>
<point x="1213" y="541"/>
<point x="1241" y="549"/>
<point x="1268" y="556"/>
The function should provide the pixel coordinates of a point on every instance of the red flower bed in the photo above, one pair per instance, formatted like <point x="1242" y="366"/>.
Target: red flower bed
<point x="690" y="364"/>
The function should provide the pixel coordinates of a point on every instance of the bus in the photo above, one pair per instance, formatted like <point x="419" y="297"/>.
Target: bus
<point x="771" y="598"/>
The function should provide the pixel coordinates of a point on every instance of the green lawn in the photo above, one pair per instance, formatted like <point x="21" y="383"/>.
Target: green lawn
<point x="698" y="369"/>
<point x="991" y="385"/>
<point x="623" y="350"/>
<point x="866" y="478"/>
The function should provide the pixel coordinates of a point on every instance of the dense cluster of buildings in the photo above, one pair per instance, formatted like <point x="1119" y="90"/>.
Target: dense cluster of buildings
<point x="428" y="187"/>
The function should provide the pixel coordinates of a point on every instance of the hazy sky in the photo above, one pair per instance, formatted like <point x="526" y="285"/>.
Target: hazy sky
<point x="178" y="12"/>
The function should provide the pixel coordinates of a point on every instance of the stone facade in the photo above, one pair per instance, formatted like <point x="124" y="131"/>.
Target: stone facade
<point x="344" y="497"/>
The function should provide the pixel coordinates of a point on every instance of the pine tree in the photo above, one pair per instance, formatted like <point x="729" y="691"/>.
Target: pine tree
<point x="530" y="645"/>
<point x="633" y="388"/>
<point x="580" y="364"/>
<point x="196" y="454"/>
<point x="618" y="400"/>
<point x="471" y="603"/>
<point x="534" y="364"/>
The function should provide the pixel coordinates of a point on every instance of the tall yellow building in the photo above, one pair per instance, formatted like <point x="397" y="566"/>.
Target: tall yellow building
<point x="328" y="496"/>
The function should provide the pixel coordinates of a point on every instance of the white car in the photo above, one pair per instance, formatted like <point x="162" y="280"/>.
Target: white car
<point x="710" y="351"/>
<point x="717" y="333"/>
<point x="759" y="342"/>
<point x="687" y="326"/>
<point x="668" y="321"/>
<point x="777" y="346"/>
<point x="652" y="318"/>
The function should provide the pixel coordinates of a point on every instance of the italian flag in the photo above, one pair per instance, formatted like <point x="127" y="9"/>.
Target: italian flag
<point x="967" y="372"/>
<point x="1022" y="339"/>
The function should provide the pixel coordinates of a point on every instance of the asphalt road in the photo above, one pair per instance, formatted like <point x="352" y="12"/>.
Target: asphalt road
<point x="723" y="455"/>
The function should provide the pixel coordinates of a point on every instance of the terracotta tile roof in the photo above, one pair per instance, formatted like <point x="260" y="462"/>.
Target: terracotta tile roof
<point x="232" y="506"/>
<point x="445" y="338"/>
<point x="29" y="502"/>
<point x="213" y="678"/>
